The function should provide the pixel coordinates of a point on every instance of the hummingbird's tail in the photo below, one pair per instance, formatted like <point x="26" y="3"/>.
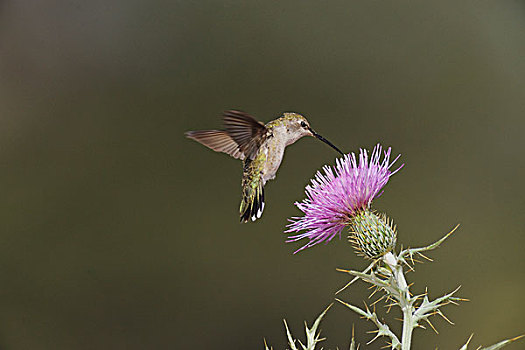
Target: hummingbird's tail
<point x="252" y="203"/>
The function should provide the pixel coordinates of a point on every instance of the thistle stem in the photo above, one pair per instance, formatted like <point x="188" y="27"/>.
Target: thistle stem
<point x="405" y="299"/>
<point x="399" y="277"/>
<point x="408" y="327"/>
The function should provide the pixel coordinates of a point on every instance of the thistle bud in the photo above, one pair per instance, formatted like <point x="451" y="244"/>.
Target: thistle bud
<point x="372" y="235"/>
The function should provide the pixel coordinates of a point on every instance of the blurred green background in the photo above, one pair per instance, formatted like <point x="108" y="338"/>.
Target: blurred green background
<point x="117" y="232"/>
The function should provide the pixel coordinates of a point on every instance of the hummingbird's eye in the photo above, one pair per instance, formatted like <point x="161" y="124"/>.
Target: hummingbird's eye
<point x="303" y="124"/>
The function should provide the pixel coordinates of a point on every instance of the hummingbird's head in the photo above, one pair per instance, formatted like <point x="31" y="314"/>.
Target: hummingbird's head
<point x="297" y="127"/>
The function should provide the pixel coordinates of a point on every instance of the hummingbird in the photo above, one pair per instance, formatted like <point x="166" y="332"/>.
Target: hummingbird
<point x="261" y="148"/>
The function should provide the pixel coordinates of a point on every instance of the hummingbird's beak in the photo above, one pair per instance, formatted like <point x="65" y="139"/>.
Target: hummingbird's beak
<point x="325" y="140"/>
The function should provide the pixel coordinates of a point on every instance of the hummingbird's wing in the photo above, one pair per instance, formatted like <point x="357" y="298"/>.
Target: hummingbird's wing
<point x="217" y="140"/>
<point x="246" y="131"/>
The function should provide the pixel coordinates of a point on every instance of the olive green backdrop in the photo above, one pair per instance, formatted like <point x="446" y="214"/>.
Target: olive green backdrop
<point x="119" y="233"/>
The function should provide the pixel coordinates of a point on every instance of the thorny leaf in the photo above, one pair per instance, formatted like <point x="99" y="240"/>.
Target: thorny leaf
<point x="382" y="328"/>
<point x="410" y="252"/>
<point x="502" y="343"/>
<point x="496" y="346"/>
<point x="312" y="336"/>
<point x="428" y="308"/>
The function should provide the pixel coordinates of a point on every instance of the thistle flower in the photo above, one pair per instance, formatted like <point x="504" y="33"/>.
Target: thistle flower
<point x="342" y="197"/>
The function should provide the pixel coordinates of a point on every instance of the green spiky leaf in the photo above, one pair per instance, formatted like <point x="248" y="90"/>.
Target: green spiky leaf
<point x="496" y="346"/>
<point x="312" y="335"/>
<point x="502" y="343"/>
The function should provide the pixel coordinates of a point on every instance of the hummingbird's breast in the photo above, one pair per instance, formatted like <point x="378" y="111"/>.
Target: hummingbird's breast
<point x="274" y="149"/>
